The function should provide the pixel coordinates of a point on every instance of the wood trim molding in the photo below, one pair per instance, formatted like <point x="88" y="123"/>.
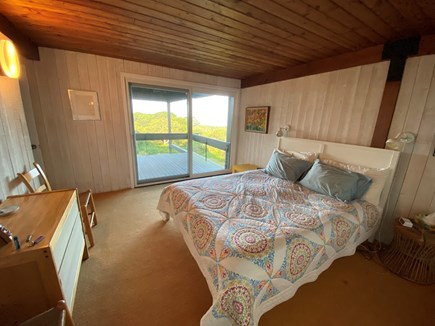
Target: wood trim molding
<point x="342" y="61"/>
<point x="25" y="46"/>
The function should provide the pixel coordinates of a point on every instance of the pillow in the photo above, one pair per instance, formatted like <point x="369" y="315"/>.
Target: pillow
<point x="342" y="184"/>
<point x="378" y="176"/>
<point x="286" y="167"/>
<point x="307" y="156"/>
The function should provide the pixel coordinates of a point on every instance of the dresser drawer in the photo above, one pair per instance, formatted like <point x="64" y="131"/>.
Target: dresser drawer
<point x="64" y="237"/>
<point x="70" y="268"/>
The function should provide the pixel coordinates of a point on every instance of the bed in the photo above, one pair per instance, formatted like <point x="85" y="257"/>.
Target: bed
<point x="257" y="238"/>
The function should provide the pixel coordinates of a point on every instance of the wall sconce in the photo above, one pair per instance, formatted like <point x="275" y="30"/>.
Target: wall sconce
<point x="283" y="131"/>
<point x="9" y="61"/>
<point x="397" y="143"/>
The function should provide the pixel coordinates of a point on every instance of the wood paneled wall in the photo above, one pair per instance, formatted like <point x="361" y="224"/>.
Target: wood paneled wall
<point x="90" y="154"/>
<point x="340" y="106"/>
<point x="15" y="151"/>
<point x="413" y="191"/>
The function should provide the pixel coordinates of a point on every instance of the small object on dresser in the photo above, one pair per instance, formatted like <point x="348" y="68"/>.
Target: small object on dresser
<point x="17" y="242"/>
<point x="7" y="210"/>
<point x="36" y="241"/>
<point x="5" y="234"/>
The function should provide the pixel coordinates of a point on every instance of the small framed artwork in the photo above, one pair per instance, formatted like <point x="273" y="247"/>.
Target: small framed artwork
<point x="84" y="105"/>
<point x="257" y="119"/>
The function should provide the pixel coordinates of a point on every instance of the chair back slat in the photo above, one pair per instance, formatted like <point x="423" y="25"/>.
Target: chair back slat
<point x="43" y="176"/>
<point x="34" y="173"/>
<point x="41" y="188"/>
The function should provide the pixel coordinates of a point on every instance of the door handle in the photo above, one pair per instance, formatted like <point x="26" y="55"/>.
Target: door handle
<point x="34" y="146"/>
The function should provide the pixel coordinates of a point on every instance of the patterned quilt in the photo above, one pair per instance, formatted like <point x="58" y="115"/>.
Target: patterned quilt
<point x="257" y="238"/>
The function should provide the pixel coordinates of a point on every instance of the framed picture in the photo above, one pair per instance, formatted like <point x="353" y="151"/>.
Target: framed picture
<point x="84" y="105"/>
<point x="257" y="119"/>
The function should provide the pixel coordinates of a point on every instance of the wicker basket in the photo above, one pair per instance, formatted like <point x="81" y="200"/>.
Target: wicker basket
<point x="411" y="255"/>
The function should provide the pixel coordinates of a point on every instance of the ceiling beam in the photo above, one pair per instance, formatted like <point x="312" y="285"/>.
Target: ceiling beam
<point x="25" y="46"/>
<point x="397" y="52"/>
<point x="427" y="45"/>
<point x="342" y="61"/>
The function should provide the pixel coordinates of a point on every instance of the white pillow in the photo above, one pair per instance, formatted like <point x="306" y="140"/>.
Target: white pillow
<point x="306" y="156"/>
<point x="379" y="177"/>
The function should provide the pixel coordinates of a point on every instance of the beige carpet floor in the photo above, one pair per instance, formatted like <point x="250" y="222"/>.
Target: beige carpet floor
<point x="140" y="272"/>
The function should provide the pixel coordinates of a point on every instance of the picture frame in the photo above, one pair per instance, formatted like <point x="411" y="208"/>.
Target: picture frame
<point x="257" y="119"/>
<point x="84" y="105"/>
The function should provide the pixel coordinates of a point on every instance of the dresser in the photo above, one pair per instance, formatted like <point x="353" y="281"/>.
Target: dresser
<point x="34" y="278"/>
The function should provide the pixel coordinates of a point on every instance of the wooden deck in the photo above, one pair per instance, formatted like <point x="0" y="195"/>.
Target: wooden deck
<point x="165" y="166"/>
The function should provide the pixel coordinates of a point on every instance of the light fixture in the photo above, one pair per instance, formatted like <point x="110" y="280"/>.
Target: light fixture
<point x="9" y="62"/>
<point x="283" y="131"/>
<point x="397" y="143"/>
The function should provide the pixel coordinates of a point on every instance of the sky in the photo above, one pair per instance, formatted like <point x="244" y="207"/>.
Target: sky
<point x="209" y="111"/>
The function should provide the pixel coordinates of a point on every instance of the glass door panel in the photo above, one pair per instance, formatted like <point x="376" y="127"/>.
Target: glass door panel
<point x="160" y="119"/>
<point x="211" y="132"/>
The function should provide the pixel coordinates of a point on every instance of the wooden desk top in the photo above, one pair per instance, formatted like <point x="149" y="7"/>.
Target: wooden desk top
<point x="39" y="214"/>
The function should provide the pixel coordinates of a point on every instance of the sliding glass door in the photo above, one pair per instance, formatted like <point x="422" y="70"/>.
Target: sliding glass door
<point x="179" y="133"/>
<point x="211" y="132"/>
<point x="160" y="133"/>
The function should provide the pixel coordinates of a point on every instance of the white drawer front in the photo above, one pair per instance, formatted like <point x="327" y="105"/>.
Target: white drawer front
<point x="69" y="271"/>
<point x="61" y="244"/>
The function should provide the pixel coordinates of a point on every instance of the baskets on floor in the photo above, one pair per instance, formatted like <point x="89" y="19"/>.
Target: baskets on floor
<point x="411" y="254"/>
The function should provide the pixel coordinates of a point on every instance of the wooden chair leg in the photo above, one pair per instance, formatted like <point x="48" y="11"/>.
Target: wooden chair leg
<point x="87" y="224"/>
<point x="92" y="205"/>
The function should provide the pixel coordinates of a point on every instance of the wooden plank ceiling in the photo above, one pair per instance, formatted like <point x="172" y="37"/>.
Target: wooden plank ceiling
<point x="231" y="38"/>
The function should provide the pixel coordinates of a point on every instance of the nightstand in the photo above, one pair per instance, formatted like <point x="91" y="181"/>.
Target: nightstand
<point x="243" y="167"/>
<point x="411" y="254"/>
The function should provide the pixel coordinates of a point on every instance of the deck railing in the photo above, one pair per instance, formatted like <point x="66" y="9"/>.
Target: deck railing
<point x="219" y="144"/>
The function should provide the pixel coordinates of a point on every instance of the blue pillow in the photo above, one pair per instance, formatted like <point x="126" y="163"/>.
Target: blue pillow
<point x="342" y="184"/>
<point x="286" y="167"/>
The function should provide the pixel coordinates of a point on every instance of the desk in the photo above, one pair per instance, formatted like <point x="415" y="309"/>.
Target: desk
<point x="34" y="279"/>
<point x="243" y="167"/>
<point x="411" y="254"/>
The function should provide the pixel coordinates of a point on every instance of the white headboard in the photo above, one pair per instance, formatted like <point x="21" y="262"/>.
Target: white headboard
<point x="353" y="154"/>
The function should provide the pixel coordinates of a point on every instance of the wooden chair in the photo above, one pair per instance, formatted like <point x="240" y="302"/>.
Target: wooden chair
<point x="87" y="205"/>
<point x="34" y="173"/>
<point x="89" y="214"/>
